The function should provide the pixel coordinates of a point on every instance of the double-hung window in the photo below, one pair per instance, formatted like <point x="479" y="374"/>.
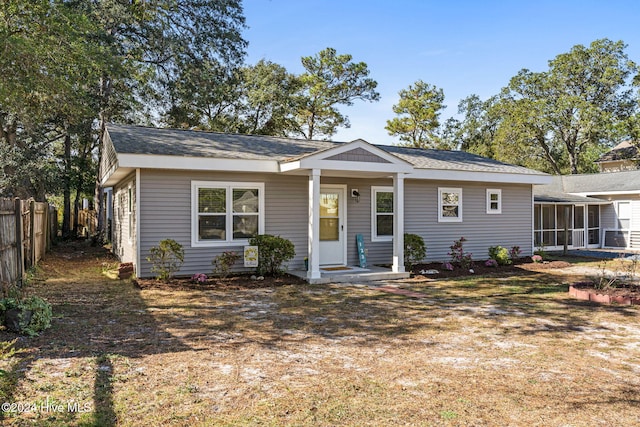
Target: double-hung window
<point x="226" y="213"/>
<point x="449" y="204"/>
<point x="494" y="201"/>
<point x="382" y="214"/>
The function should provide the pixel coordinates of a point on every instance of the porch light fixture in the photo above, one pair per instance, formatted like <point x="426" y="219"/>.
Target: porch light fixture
<point x="355" y="194"/>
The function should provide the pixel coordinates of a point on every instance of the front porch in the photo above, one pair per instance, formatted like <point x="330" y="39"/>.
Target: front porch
<point x="350" y="274"/>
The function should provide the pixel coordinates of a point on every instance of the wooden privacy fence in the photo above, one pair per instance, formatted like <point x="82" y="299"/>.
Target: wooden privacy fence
<point x="27" y="229"/>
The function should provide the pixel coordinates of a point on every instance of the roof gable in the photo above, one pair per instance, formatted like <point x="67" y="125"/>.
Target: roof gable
<point x="357" y="155"/>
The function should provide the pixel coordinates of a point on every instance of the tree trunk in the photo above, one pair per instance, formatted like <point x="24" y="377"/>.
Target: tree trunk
<point x="66" y="190"/>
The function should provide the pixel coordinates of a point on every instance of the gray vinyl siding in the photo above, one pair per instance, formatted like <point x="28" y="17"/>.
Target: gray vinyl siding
<point x="513" y="227"/>
<point x="166" y="213"/>
<point x="109" y="157"/>
<point x="358" y="155"/>
<point x="123" y="239"/>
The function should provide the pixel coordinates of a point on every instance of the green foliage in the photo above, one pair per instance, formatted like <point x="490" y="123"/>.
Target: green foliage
<point x="414" y="250"/>
<point x="500" y="255"/>
<point x="558" y="120"/>
<point x="273" y="251"/>
<point x="418" y="111"/>
<point x="40" y="310"/>
<point x="222" y="263"/>
<point x="167" y="258"/>
<point x="330" y="80"/>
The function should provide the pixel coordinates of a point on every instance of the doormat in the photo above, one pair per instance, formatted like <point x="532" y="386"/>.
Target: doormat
<point x="335" y="268"/>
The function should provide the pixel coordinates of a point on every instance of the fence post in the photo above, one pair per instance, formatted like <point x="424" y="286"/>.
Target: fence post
<point x="19" y="243"/>
<point x="32" y="231"/>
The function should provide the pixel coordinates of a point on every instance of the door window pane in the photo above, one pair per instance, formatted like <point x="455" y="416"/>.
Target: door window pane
<point x="329" y="205"/>
<point x="329" y="229"/>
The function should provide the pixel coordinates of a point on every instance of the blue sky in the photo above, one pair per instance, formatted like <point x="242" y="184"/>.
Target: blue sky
<point x="462" y="47"/>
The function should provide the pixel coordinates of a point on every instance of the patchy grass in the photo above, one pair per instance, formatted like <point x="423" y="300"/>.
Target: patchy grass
<point x="508" y="350"/>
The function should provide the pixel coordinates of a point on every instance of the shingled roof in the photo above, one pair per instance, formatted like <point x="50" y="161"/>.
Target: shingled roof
<point x="626" y="150"/>
<point x="572" y="188"/>
<point x="189" y="143"/>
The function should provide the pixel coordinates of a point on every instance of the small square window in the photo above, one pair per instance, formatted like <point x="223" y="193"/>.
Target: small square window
<point x="494" y="201"/>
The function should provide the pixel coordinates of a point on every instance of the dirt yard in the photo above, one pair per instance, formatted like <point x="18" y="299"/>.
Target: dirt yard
<point x="512" y="349"/>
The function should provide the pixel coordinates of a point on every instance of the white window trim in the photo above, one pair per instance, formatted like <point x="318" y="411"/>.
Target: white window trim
<point x="374" y="214"/>
<point x="491" y="191"/>
<point x="449" y="218"/>
<point x="229" y="186"/>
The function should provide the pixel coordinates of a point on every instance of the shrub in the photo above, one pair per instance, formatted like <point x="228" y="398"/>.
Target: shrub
<point x="499" y="254"/>
<point x="222" y="263"/>
<point x="491" y="263"/>
<point x="34" y="314"/>
<point x="273" y="251"/>
<point x="167" y="258"/>
<point x="514" y="253"/>
<point x="414" y="250"/>
<point x="536" y="258"/>
<point x="458" y="255"/>
<point x="199" y="278"/>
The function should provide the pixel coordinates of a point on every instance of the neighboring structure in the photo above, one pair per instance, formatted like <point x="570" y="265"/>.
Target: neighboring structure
<point x="624" y="156"/>
<point x="600" y="211"/>
<point x="212" y="191"/>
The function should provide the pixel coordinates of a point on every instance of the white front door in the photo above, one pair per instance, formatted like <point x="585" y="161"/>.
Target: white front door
<point x="332" y="225"/>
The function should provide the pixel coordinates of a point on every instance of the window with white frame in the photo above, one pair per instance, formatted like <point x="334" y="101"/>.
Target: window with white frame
<point x="382" y="213"/>
<point x="449" y="204"/>
<point x="494" y="201"/>
<point x="623" y="211"/>
<point x="226" y="212"/>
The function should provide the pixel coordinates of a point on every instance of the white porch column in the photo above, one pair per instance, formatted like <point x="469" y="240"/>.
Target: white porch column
<point x="398" y="223"/>
<point x="314" y="225"/>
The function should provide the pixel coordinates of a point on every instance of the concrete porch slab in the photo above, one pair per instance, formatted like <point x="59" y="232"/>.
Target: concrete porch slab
<point x="354" y="275"/>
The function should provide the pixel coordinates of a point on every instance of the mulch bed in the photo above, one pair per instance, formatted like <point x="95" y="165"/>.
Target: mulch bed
<point x="480" y="269"/>
<point x="236" y="282"/>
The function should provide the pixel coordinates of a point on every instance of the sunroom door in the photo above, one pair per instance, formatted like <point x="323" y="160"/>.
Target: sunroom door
<point x="332" y="229"/>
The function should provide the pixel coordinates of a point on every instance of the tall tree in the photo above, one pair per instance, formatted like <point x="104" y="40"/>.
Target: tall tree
<point x="418" y="113"/>
<point x="560" y="120"/>
<point x="476" y="131"/>
<point x="330" y="80"/>
<point x="268" y="99"/>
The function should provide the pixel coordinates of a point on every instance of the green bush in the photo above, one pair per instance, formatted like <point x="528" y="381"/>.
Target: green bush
<point x="273" y="251"/>
<point x="222" y="263"/>
<point x="414" y="250"/>
<point x="34" y="314"/>
<point x="167" y="258"/>
<point x="500" y="255"/>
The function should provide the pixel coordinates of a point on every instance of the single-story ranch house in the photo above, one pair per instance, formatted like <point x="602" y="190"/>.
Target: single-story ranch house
<point x="211" y="192"/>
